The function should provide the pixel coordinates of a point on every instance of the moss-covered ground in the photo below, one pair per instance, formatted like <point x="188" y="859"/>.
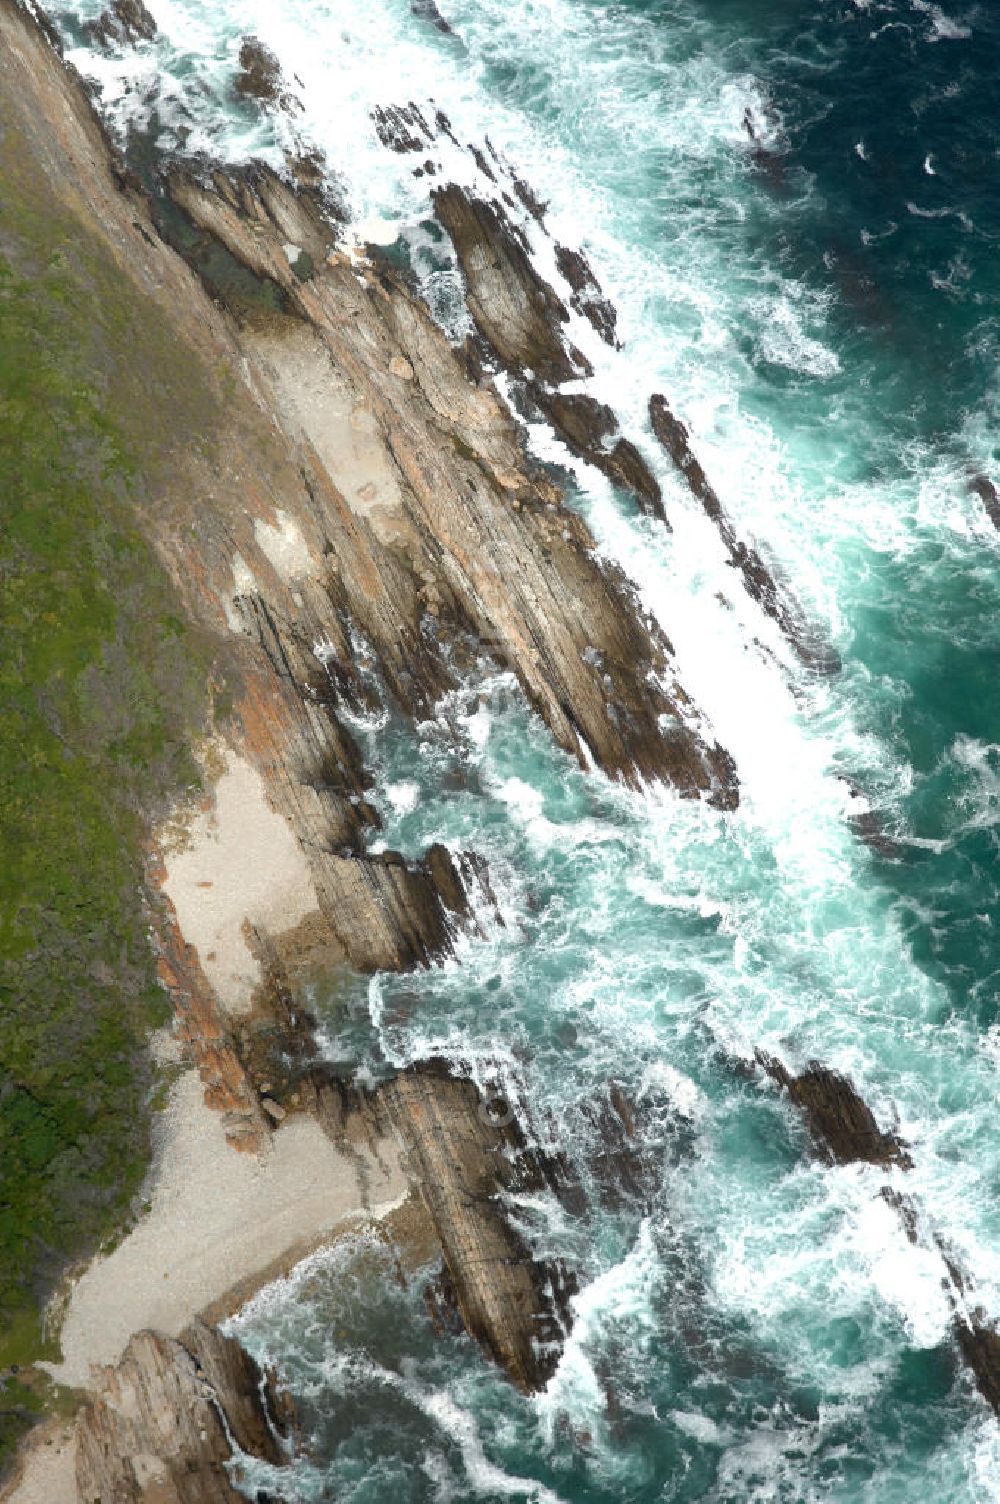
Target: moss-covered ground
<point x="101" y="686"/>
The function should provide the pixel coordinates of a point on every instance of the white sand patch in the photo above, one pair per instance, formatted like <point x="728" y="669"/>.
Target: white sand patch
<point x="285" y="547"/>
<point x="218" y="1220"/>
<point x="240" y="861"/>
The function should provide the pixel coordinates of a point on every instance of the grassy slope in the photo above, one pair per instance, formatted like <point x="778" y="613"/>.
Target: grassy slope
<point x="100" y="686"/>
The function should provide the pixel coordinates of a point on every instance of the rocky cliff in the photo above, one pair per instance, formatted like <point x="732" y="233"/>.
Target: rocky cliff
<point x="170" y="1423"/>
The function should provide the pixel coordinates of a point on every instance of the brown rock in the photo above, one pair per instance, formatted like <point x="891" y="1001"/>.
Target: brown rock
<point x="463" y="1154"/>
<point x="124" y="23"/>
<point x="590" y="429"/>
<point x="981" y="486"/>
<point x="513" y="308"/>
<point x="588" y="299"/>
<point x="260" y="72"/>
<point x="166" y="1419"/>
<point x="842" y="1125"/>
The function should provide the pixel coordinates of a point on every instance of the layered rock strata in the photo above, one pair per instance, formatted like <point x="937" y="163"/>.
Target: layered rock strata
<point x="466" y="1158"/>
<point x="170" y="1422"/>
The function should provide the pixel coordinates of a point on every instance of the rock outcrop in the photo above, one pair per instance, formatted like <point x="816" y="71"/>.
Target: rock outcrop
<point x="758" y="580"/>
<point x="588" y="298"/>
<point x="841" y="1123"/>
<point x="590" y="430"/>
<point x="513" y="307"/>
<point x="124" y="23"/>
<point x="980" y="485"/>
<point x="260" y="72"/>
<point x="450" y="532"/>
<point x="168" y="1421"/>
<point x="465" y="1158"/>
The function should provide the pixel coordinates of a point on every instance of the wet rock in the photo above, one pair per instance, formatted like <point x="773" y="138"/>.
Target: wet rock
<point x="842" y="1125"/>
<point x="402" y="128"/>
<point x="512" y="306"/>
<point x="981" y="485"/>
<point x="426" y="10"/>
<point x="590" y="429"/>
<point x="260" y="72"/>
<point x="169" y="1418"/>
<point x="623" y="1164"/>
<point x="124" y="23"/>
<point x="460" y="1154"/>
<point x="758" y="580"/>
<point x="588" y="299"/>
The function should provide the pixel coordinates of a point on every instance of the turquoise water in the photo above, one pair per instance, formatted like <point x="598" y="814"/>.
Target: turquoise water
<point x="822" y="309"/>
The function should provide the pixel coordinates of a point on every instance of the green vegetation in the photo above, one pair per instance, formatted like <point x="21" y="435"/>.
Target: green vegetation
<point x="101" y="685"/>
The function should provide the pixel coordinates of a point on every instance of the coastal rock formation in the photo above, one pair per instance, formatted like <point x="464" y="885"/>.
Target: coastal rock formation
<point x="758" y="580"/>
<point x="588" y="299"/>
<point x="464" y="1157"/>
<point x="980" y="485"/>
<point x="124" y="23"/>
<point x="512" y="306"/>
<point x="590" y="430"/>
<point x="260" y="72"/>
<point x="841" y="1123"/>
<point x="450" y="528"/>
<point x="169" y="1419"/>
<point x="426" y="10"/>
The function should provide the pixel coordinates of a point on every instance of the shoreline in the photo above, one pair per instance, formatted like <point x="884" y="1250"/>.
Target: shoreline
<point x="221" y="1226"/>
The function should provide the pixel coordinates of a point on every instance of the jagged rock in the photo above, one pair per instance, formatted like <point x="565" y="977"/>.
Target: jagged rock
<point x="166" y="1421"/>
<point x="590" y="429"/>
<point x="760" y="584"/>
<point x="426" y="10"/>
<point x="455" y="527"/>
<point x="124" y="23"/>
<point x="981" y="486"/>
<point x="623" y="1165"/>
<point x="842" y="1125"/>
<point x="260" y="72"/>
<point x="463" y="1157"/>
<point x="588" y="299"/>
<point x="402" y="128"/>
<point x="512" y="306"/>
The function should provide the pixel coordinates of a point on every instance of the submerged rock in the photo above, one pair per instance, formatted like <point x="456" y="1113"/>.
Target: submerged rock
<point x="168" y="1420"/>
<point x="758" y="580"/>
<point x="426" y="10"/>
<point x="841" y="1123"/>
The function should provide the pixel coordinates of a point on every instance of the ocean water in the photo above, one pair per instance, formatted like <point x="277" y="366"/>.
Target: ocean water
<point x="820" y="304"/>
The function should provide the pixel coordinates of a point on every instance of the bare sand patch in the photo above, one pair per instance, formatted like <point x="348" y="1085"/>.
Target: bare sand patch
<point x="219" y="1222"/>
<point x="238" y="860"/>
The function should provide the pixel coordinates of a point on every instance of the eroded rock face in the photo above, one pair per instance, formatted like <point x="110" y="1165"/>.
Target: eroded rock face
<point x="451" y="534"/>
<point x="590" y="429"/>
<point x="463" y="1156"/>
<point x="758" y="580"/>
<point x="841" y="1123"/>
<point x="124" y="23"/>
<point x="514" y="309"/>
<point x="163" y="1427"/>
